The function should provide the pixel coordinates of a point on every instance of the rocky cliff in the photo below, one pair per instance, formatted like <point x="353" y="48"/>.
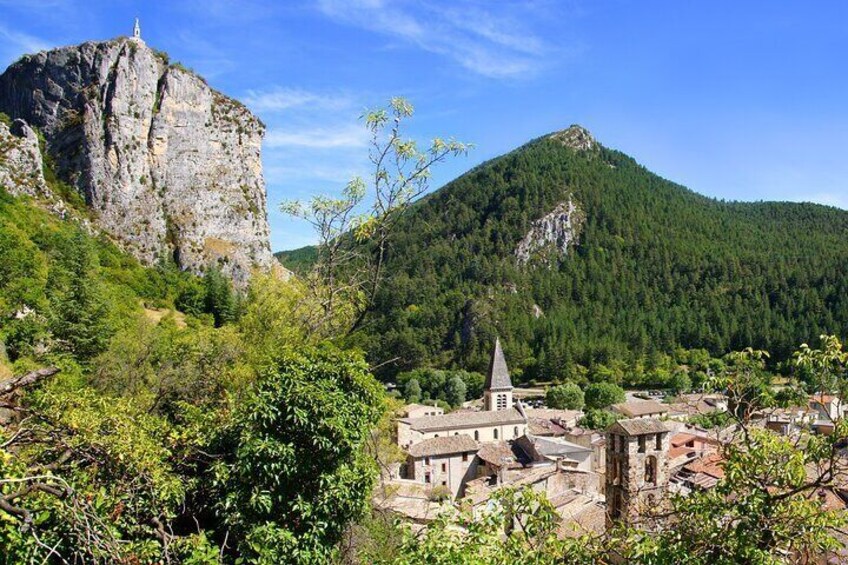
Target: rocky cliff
<point x="20" y="161"/>
<point x="556" y="231"/>
<point x="167" y="165"/>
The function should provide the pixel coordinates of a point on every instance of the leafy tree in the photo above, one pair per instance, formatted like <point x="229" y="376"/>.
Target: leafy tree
<point x="294" y="472"/>
<point x="352" y="249"/>
<point x="680" y="382"/>
<point x="596" y="419"/>
<point x="603" y="395"/>
<point x="516" y="526"/>
<point x="412" y="391"/>
<point x="567" y="396"/>
<point x="711" y="420"/>
<point x="455" y="391"/>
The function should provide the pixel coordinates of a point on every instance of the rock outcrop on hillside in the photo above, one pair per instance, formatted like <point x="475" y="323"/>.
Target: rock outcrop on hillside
<point x="556" y="231"/>
<point x="21" y="166"/>
<point x="167" y="165"/>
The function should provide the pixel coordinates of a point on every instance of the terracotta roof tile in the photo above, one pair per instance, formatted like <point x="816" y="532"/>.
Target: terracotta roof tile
<point x="443" y="446"/>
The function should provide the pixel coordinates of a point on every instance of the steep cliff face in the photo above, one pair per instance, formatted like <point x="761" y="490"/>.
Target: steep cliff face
<point x="167" y="165"/>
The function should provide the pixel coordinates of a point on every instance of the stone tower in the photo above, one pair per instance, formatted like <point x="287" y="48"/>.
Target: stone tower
<point x="137" y="31"/>
<point x="637" y="468"/>
<point x="497" y="391"/>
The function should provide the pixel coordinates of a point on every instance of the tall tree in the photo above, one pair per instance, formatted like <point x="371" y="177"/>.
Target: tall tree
<point x="80" y="312"/>
<point x="352" y="246"/>
<point x="295" y="471"/>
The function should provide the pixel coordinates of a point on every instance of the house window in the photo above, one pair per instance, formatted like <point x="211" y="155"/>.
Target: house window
<point x="651" y="470"/>
<point x="659" y="442"/>
<point x="515" y="431"/>
<point x="427" y="478"/>
<point x="426" y="460"/>
<point x="436" y="435"/>
<point x="496" y="434"/>
<point x="465" y="457"/>
<point x="444" y="467"/>
<point x="476" y="435"/>
<point x="501" y="402"/>
<point x="612" y="443"/>
<point x="444" y="483"/>
<point x="456" y="433"/>
<point x="641" y="444"/>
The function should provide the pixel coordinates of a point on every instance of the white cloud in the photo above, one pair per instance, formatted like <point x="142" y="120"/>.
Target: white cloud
<point x="324" y="137"/>
<point x="491" y="41"/>
<point x="283" y="98"/>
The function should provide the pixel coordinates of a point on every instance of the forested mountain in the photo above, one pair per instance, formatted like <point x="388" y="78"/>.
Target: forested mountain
<point x="575" y="253"/>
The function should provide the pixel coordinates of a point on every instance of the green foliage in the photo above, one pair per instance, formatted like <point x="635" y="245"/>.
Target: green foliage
<point x="455" y="391"/>
<point x="220" y="301"/>
<point x="680" y="383"/>
<point x="711" y="420"/>
<point x="298" y="260"/>
<point x="295" y="472"/>
<point x="412" y="391"/>
<point x="518" y="526"/>
<point x="566" y="396"/>
<point x="596" y="419"/>
<point x="603" y="395"/>
<point x="79" y="323"/>
<point x="450" y="386"/>
<point x="63" y="290"/>
<point x="656" y="268"/>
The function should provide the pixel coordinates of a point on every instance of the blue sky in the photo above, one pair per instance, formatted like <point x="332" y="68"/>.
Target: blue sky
<point x="737" y="100"/>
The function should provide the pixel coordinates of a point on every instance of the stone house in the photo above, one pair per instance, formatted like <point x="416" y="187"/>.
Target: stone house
<point x="448" y="461"/>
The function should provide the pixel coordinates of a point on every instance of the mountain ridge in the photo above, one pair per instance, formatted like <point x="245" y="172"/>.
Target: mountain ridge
<point x="655" y="266"/>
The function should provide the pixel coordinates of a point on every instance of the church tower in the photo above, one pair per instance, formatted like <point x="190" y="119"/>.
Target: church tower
<point x="136" y="31"/>
<point x="637" y="468"/>
<point x="497" y="391"/>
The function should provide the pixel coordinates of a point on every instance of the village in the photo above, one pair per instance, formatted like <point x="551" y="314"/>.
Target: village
<point x="593" y="478"/>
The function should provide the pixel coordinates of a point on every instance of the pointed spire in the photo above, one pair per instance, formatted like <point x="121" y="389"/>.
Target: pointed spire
<point x="137" y="30"/>
<point x="498" y="377"/>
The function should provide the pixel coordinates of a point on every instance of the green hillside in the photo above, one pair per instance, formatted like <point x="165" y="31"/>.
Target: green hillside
<point x="656" y="267"/>
<point x="298" y="260"/>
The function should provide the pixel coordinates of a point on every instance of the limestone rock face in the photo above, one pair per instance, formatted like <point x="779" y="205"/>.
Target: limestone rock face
<point x="576" y="137"/>
<point x="20" y="161"/>
<point x="167" y="165"/>
<point x="553" y="234"/>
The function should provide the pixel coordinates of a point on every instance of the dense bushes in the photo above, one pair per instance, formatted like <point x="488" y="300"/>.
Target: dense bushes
<point x="223" y="433"/>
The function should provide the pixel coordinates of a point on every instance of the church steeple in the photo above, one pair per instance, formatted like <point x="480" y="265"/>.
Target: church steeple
<point x="137" y="30"/>
<point x="497" y="393"/>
